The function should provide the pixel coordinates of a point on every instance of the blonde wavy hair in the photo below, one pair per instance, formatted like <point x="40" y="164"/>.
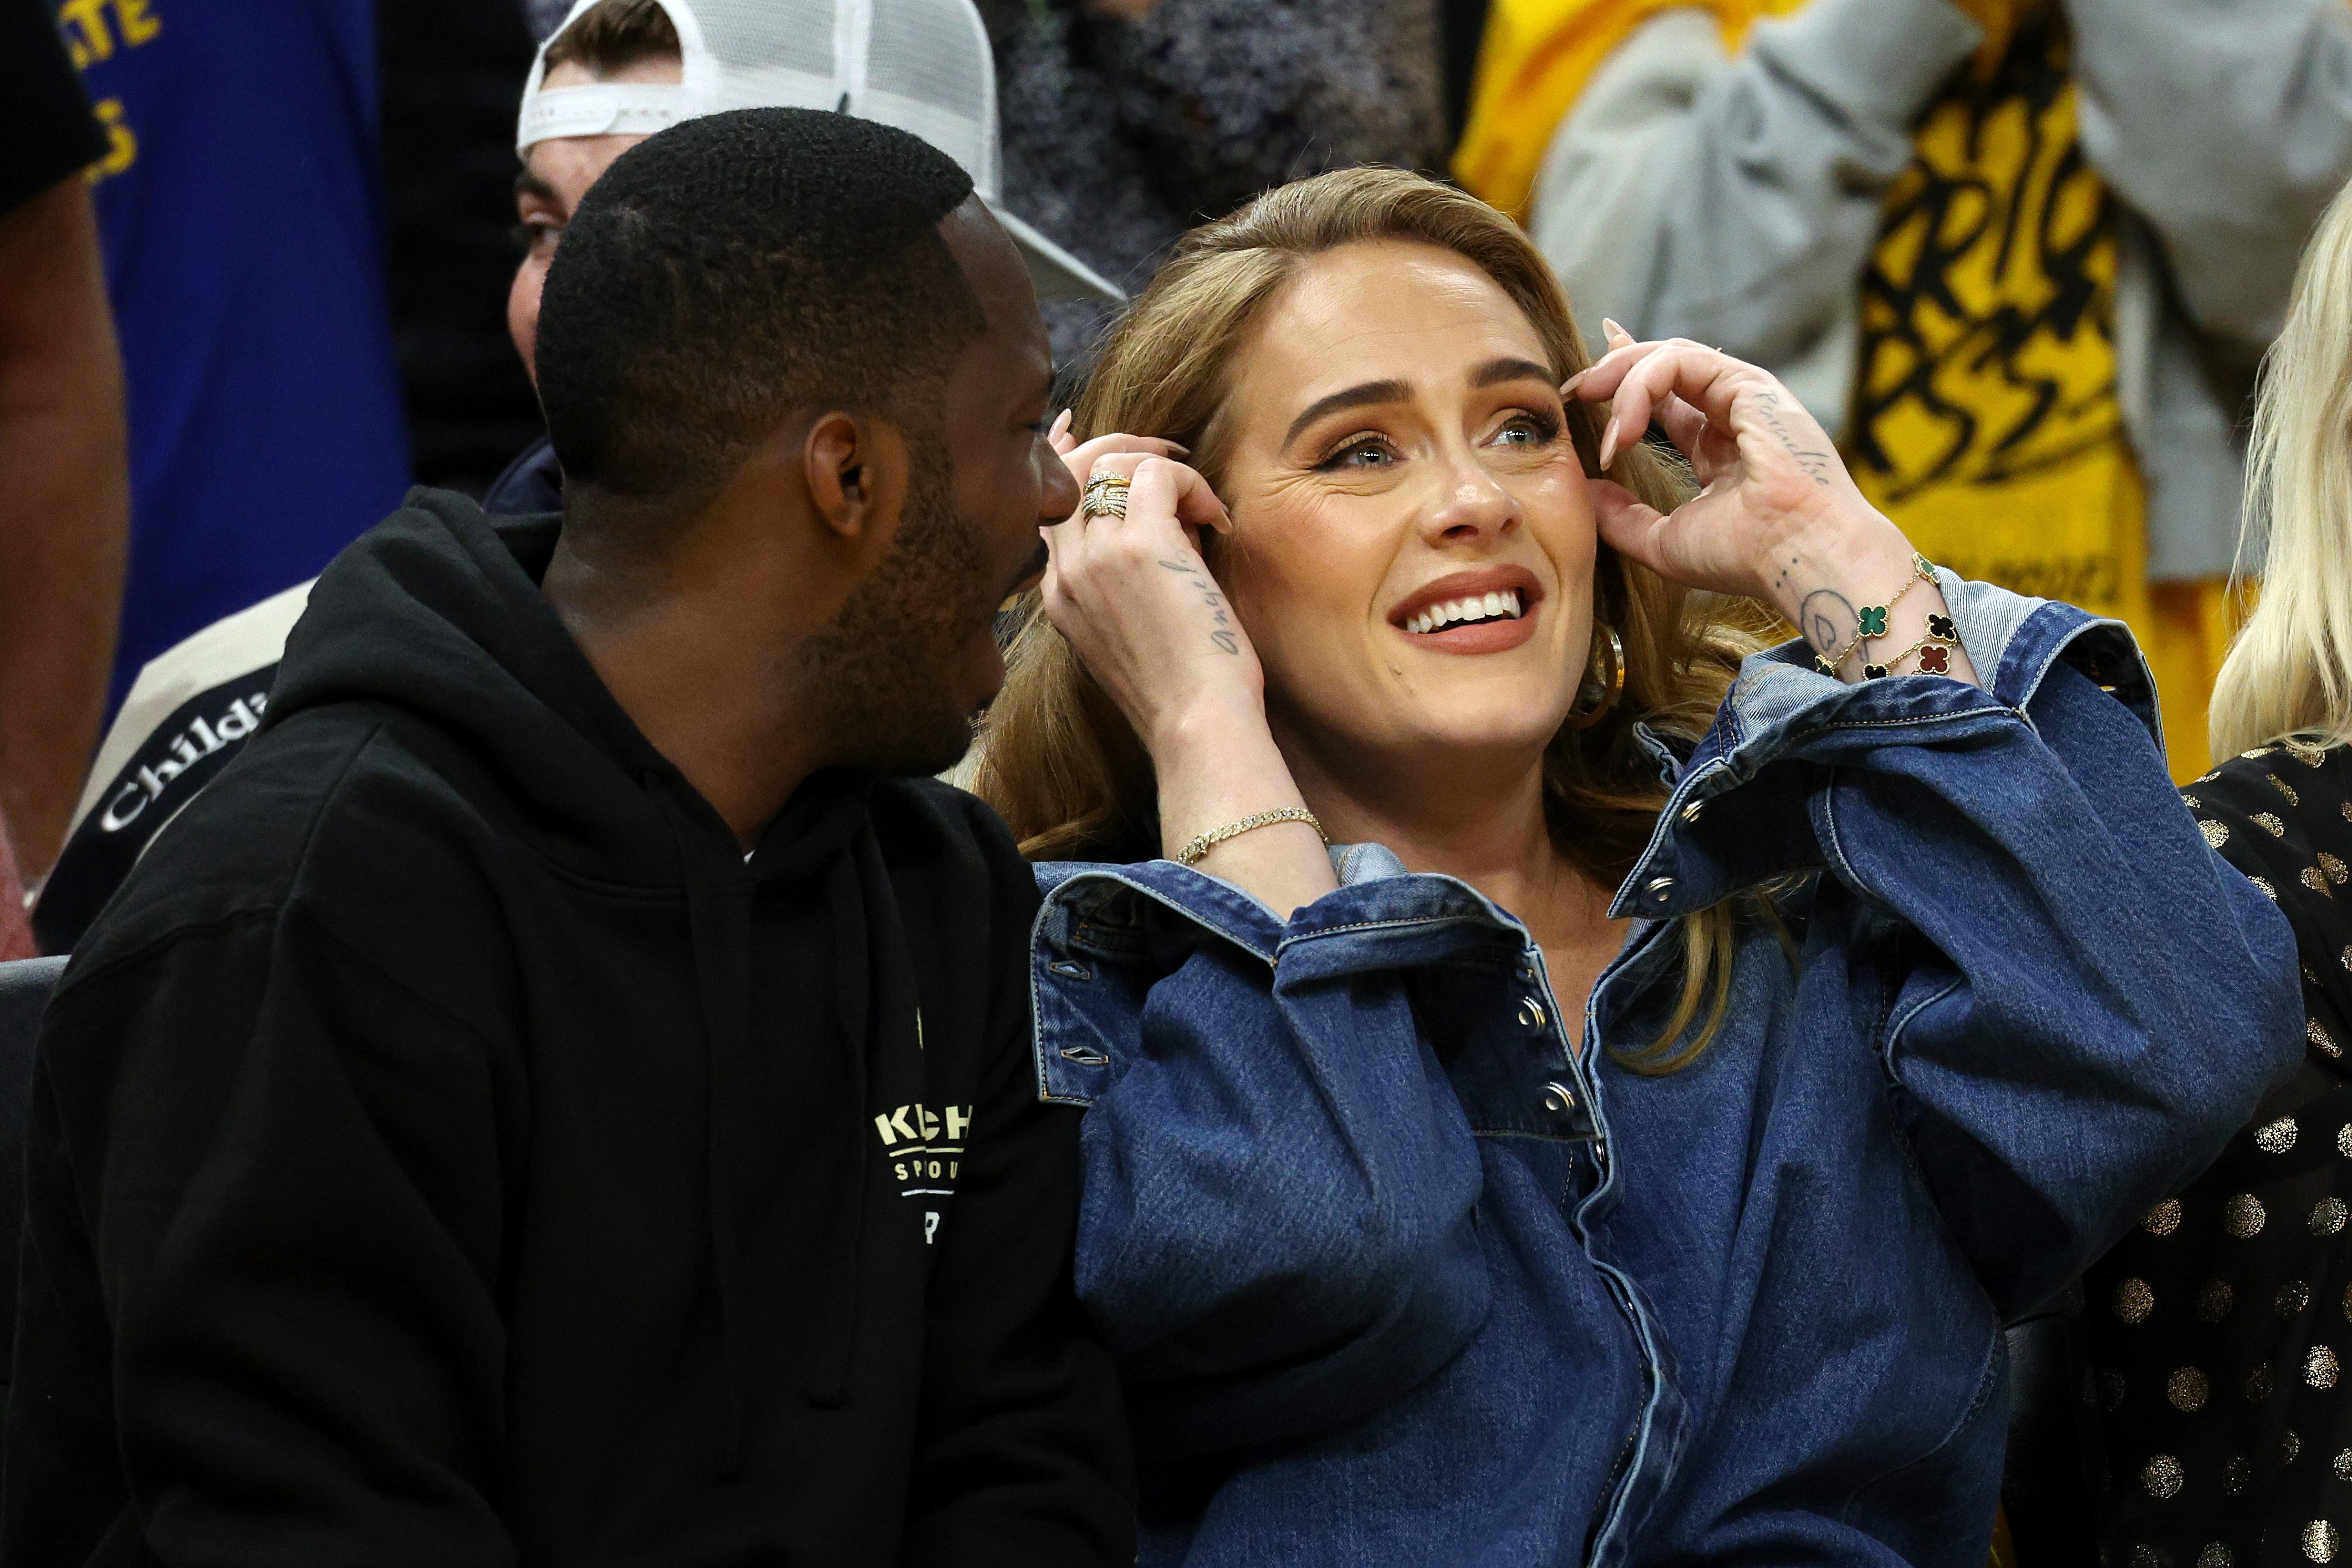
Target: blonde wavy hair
<point x="1059" y="762"/>
<point x="2290" y="671"/>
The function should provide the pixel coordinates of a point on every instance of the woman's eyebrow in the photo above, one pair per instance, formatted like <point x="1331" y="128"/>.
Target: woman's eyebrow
<point x="1494" y="370"/>
<point x="1353" y="397"/>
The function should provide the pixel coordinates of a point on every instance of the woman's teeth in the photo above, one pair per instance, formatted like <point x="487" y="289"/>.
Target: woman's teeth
<point x="1504" y="605"/>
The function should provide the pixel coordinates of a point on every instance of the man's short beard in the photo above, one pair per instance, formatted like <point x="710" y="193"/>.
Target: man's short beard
<point x="875" y="676"/>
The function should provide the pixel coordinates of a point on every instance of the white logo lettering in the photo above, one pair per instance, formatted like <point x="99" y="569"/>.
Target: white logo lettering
<point x="120" y="816"/>
<point x="184" y="750"/>
<point x="916" y="1151"/>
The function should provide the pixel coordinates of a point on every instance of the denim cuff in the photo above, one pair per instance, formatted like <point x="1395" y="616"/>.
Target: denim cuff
<point x="1784" y="718"/>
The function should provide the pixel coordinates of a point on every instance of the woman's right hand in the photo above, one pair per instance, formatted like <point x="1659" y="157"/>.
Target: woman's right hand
<point x="1137" y="603"/>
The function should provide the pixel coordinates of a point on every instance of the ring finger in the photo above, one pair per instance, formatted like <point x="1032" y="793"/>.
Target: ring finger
<point x="1118" y="466"/>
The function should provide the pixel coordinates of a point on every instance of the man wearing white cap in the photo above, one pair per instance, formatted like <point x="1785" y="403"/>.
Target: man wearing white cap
<point x="616" y="71"/>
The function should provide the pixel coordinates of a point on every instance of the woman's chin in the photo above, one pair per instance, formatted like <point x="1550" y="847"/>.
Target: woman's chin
<point x="1488" y="726"/>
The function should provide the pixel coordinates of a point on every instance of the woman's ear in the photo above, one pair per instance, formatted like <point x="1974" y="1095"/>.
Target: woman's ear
<point x="856" y="469"/>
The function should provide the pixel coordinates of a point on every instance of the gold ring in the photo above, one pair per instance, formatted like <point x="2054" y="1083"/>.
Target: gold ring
<point x="1105" y="496"/>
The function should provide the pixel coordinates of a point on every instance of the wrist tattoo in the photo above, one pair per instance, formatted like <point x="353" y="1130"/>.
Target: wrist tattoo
<point x="1829" y="619"/>
<point x="1222" y="633"/>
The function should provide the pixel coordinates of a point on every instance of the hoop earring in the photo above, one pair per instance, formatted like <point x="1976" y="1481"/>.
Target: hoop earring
<point x="1602" y="690"/>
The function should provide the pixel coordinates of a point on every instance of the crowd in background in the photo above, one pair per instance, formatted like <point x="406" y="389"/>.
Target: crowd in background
<point x="2023" y="258"/>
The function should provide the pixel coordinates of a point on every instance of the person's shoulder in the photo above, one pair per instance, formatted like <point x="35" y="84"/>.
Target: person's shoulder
<point x="327" y="807"/>
<point x="187" y="716"/>
<point x="933" y="807"/>
<point x="956" y="836"/>
<point x="2283" y="814"/>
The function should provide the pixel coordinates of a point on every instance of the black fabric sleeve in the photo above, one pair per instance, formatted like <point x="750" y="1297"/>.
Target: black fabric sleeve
<point x="45" y="129"/>
<point x="1024" y="1456"/>
<point x="274" y="1173"/>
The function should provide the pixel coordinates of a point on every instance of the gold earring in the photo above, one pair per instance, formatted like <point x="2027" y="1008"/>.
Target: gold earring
<point x="1602" y="691"/>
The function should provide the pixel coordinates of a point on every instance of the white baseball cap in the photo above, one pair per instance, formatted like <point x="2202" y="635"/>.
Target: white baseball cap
<point x="923" y="66"/>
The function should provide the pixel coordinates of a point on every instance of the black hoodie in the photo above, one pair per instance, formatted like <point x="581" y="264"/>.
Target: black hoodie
<point x="447" y="1149"/>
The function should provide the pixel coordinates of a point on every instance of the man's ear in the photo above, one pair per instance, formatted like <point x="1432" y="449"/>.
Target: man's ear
<point x="856" y="472"/>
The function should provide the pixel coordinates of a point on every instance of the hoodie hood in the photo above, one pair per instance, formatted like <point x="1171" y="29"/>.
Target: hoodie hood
<point x="438" y="610"/>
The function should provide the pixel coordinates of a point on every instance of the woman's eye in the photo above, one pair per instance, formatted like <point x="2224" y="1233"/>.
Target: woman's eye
<point x="1363" y="455"/>
<point x="1525" y="430"/>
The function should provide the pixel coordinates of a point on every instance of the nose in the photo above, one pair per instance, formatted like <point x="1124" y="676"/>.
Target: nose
<point x="1471" y="505"/>
<point x="1057" y="497"/>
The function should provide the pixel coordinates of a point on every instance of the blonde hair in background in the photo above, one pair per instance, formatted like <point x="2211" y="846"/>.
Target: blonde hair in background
<point x="2290" y="671"/>
<point x="1060" y="762"/>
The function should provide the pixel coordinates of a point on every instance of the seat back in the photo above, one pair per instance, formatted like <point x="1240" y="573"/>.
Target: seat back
<point x="24" y="987"/>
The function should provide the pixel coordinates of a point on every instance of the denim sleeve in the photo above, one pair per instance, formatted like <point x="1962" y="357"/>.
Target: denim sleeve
<point x="2086" y="1001"/>
<point x="2075" y="1001"/>
<point x="1275" y="1233"/>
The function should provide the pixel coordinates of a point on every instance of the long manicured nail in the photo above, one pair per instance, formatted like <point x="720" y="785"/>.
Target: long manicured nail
<point x="1609" y="445"/>
<point x="1568" y="388"/>
<point x="1615" y="334"/>
<point x="1177" y="447"/>
<point x="1061" y="425"/>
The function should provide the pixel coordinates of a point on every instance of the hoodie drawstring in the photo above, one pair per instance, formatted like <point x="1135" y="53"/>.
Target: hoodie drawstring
<point x="828" y="1367"/>
<point x="718" y="924"/>
<point x="721" y="941"/>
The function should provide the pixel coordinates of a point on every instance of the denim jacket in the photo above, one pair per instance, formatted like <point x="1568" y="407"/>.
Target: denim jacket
<point x="1402" y="1273"/>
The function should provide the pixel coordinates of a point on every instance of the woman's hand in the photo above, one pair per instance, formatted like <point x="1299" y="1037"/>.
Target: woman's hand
<point x="1135" y="600"/>
<point x="1779" y="517"/>
<point x="1137" y="603"/>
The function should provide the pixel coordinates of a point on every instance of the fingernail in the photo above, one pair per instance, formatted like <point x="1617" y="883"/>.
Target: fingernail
<point x="1568" y="388"/>
<point x="1177" y="447"/>
<point x="1608" y="445"/>
<point x="1061" y="423"/>
<point x="1612" y="330"/>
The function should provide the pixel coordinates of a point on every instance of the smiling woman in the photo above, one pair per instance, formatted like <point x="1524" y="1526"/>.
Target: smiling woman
<point x="1327" y="567"/>
<point x="1625" y="1142"/>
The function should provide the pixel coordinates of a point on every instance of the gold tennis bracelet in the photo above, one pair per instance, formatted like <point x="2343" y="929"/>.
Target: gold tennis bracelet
<point x="1193" y="852"/>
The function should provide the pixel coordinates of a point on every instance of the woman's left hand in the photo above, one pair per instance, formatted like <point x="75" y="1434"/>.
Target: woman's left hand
<point x="1779" y="517"/>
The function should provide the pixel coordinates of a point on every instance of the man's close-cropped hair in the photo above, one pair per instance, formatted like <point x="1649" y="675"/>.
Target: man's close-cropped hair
<point x="735" y="268"/>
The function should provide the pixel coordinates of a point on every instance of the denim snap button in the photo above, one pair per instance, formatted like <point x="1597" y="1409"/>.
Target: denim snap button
<point x="1531" y="1013"/>
<point x="1691" y="812"/>
<point x="1559" y="1099"/>
<point x="1661" y="889"/>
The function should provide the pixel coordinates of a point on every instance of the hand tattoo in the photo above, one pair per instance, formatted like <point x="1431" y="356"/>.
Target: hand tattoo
<point x="1820" y="464"/>
<point x="1223" y="636"/>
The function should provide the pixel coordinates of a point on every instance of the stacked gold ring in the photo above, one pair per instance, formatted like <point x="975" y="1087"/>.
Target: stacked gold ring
<point x="1105" y="496"/>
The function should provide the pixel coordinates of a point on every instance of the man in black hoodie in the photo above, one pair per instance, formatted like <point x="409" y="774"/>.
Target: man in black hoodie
<point x="562" y="1095"/>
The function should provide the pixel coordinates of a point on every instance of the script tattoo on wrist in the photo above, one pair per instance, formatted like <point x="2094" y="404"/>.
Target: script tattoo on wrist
<point x="1222" y="633"/>
<point x="1819" y="465"/>
<point x="1828" y="620"/>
